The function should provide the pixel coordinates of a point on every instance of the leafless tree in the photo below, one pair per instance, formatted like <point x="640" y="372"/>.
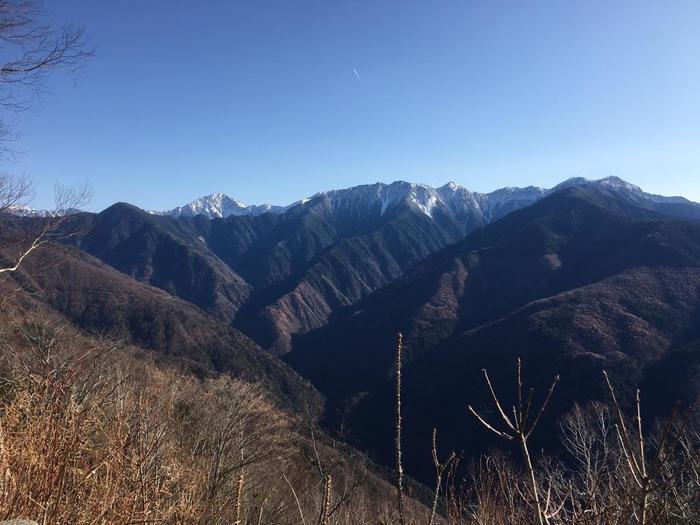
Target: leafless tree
<point x="518" y="428"/>
<point x="57" y="224"/>
<point x="598" y="477"/>
<point x="15" y="192"/>
<point x="31" y="49"/>
<point x="653" y="464"/>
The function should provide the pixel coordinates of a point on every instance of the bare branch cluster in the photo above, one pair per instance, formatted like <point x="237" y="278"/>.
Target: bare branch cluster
<point x="518" y="428"/>
<point x="15" y="192"/>
<point x="30" y="49"/>
<point x="58" y="224"/>
<point x="617" y="471"/>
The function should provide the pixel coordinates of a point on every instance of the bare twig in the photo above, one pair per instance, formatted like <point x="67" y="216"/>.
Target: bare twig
<point x="439" y="471"/>
<point x="519" y="430"/>
<point x="296" y="498"/>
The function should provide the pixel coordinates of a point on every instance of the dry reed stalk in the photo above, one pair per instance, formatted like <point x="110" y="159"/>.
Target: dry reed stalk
<point x="326" y="501"/>
<point x="239" y="494"/>
<point x="397" y="443"/>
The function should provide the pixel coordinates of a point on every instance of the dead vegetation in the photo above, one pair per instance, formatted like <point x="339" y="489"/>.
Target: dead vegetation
<point x="90" y="434"/>
<point x="615" y="470"/>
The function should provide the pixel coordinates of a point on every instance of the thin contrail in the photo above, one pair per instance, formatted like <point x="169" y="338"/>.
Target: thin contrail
<point x="356" y="73"/>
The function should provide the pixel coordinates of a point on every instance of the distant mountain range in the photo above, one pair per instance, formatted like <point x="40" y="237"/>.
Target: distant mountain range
<point x="451" y="198"/>
<point x="285" y="273"/>
<point x="28" y="211"/>
<point x="581" y="281"/>
<point x="584" y="276"/>
<point x="281" y="274"/>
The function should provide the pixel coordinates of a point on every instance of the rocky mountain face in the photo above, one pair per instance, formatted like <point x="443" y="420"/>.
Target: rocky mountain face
<point x="587" y="276"/>
<point x="285" y="273"/>
<point x="579" y="282"/>
<point x="273" y="275"/>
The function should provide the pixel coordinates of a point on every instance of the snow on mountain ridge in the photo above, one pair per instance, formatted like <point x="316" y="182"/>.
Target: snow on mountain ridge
<point x="27" y="211"/>
<point x="464" y="206"/>
<point x="219" y="206"/>
<point x="451" y="198"/>
<point x="617" y="184"/>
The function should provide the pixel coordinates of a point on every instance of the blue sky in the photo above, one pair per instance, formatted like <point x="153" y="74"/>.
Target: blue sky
<point x="259" y="99"/>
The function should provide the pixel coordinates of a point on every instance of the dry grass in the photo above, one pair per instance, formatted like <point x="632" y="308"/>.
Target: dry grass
<point x="86" y="438"/>
<point x="91" y="435"/>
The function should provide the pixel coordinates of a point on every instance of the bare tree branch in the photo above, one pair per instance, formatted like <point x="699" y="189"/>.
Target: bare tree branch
<point x="31" y="50"/>
<point x="15" y="192"/>
<point x="520" y="432"/>
<point x="54" y="227"/>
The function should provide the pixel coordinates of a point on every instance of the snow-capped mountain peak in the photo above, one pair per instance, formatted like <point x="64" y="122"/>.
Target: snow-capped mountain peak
<point x="216" y="205"/>
<point x="618" y="184"/>
<point x="462" y="205"/>
<point x="451" y="199"/>
<point x="220" y="205"/>
<point x="450" y="186"/>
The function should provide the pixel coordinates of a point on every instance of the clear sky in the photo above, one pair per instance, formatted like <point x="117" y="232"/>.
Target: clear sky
<point x="273" y="101"/>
